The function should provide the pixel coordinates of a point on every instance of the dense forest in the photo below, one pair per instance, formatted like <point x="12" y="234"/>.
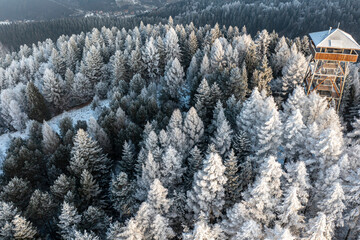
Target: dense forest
<point x="207" y="135"/>
<point x="289" y="18"/>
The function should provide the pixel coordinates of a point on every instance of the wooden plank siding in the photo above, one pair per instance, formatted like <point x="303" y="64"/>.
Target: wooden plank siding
<point x="336" y="57"/>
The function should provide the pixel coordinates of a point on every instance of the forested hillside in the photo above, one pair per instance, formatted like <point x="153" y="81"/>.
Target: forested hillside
<point x="32" y="10"/>
<point x="208" y="135"/>
<point x="289" y="18"/>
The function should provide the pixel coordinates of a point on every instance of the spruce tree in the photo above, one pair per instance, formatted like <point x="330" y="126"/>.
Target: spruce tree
<point x="207" y="195"/>
<point x="171" y="168"/>
<point x="290" y="216"/>
<point x="238" y="83"/>
<point x="118" y="68"/>
<point x="249" y="230"/>
<point x="294" y="71"/>
<point x="128" y="159"/>
<point x="82" y="88"/>
<point x="150" y="171"/>
<point x="18" y="116"/>
<point x="265" y="194"/>
<point x="174" y="79"/>
<point x="202" y="99"/>
<point x="53" y="89"/>
<point x="333" y="206"/>
<point x="318" y="228"/>
<point x="58" y="62"/>
<point x="69" y="220"/>
<point x="293" y="136"/>
<point x="50" y="140"/>
<point x="160" y="229"/>
<point x="192" y="46"/>
<point x="62" y="185"/>
<point x="151" y="58"/>
<point x="217" y="56"/>
<point x="172" y="48"/>
<point x="36" y="108"/>
<point x="87" y="155"/>
<point x="281" y="56"/>
<point x="94" y="64"/>
<point x="98" y="134"/>
<point x="262" y="76"/>
<point x="121" y="191"/>
<point x="23" y="229"/>
<point x="205" y="66"/>
<point x="232" y="186"/>
<point x="193" y="128"/>
<point x="89" y="189"/>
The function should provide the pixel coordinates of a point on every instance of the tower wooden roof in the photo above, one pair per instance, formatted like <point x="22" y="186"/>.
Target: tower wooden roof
<point x="334" y="38"/>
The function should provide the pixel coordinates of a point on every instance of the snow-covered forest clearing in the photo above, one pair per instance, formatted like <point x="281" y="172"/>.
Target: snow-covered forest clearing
<point x="171" y="131"/>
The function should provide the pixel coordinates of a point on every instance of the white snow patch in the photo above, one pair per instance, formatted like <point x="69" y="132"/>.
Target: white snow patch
<point x="77" y="114"/>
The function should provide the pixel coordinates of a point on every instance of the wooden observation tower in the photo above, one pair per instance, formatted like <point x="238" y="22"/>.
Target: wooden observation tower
<point x="332" y="51"/>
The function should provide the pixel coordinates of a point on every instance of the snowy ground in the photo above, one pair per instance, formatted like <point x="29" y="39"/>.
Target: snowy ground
<point x="77" y="114"/>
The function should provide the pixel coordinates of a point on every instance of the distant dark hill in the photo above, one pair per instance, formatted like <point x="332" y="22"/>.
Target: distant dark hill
<point x="32" y="10"/>
<point x="103" y="5"/>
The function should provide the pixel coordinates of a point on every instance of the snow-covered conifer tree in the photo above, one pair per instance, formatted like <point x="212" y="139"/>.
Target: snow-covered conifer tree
<point x="128" y="158"/>
<point x="293" y="135"/>
<point x="202" y="98"/>
<point x="117" y="68"/>
<point x="23" y="229"/>
<point x="207" y="195"/>
<point x="150" y="171"/>
<point x="249" y="230"/>
<point x="318" y="228"/>
<point x="36" y="107"/>
<point x="18" y="116"/>
<point x="120" y="194"/>
<point x="265" y="194"/>
<point x="62" y="185"/>
<point x="297" y="176"/>
<point x="157" y="198"/>
<point x="232" y="186"/>
<point x="87" y="155"/>
<point x="217" y="55"/>
<point x="174" y="79"/>
<point x="281" y="56"/>
<point x="88" y="187"/>
<point x="82" y="88"/>
<point x="294" y="71"/>
<point x="50" y="141"/>
<point x="203" y="231"/>
<point x="193" y="128"/>
<point x="223" y="134"/>
<point x="171" y="167"/>
<point x="160" y="229"/>
<point x="151" y="57"/>
<point x="172" y="48"/>
<point x="53" y="89"/>
<point x="94" y="65"/>
<point x="58" y="62"/>
<point x="205" y="66"/>
<point x="68" y="220"/>
<point x="99" y="134"/>
<point x="239" y="82"/>
<point x="290" y="216"/>
<point x="262" y="76"/>
<point x="295" y="101"/>
<point x="192" y="46"/>
<point x="269" y="130"/>
<point x="280" y="233"/>
<point x="333" y="206"/>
